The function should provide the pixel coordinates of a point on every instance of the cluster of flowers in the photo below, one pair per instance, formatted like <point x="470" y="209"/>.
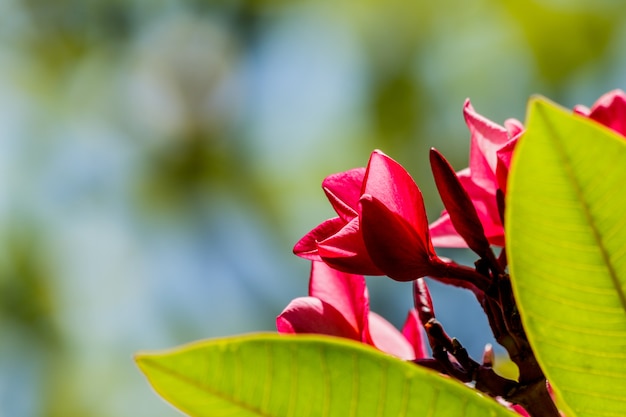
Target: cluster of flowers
<point x="381" y="229"/>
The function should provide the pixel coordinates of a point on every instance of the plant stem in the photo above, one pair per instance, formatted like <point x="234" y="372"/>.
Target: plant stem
<point x="492" y="286"/>
<point x="461" y="276"/>
<point x="536" y="400"/>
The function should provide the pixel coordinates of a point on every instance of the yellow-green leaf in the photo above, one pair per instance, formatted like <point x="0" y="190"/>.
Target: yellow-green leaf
<point x="566" y="243"/>
<point x="298" y="376"/>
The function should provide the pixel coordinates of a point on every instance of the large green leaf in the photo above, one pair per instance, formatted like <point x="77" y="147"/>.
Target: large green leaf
<point x="271" y="375"/>
<point x="566" y="242"/>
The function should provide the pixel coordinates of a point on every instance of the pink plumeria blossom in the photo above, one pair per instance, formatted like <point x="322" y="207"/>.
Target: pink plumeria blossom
<point x="338" y="241"/>
<point x="490" y="157"/>
<point x="491" y="151"/>
<point x="609" y="110"/>
<point x="381" y="228"/>
<point x="338" y="305"/>
<point x="394" y="223"/>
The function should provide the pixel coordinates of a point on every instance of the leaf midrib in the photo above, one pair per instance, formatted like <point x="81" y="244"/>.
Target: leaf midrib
<point x="204" y="388"/>
<point x="567" y="163"/>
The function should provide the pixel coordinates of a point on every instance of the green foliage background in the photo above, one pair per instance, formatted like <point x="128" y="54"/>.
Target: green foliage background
<point x="159" y="158"/>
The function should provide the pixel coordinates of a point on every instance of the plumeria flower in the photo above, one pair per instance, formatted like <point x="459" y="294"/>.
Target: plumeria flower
<point x="490" y="157"/>
<point x="491" y="151"/>
<point x="338" y="241"/>
<point x="338" y="305"/>
<point x="393" y="222"/>
<point x="381" y="227"/>
<point x="609" y="110"/>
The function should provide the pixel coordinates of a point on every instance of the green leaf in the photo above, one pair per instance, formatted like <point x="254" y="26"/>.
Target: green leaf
<point x="271" y="375"/>
<point x="566" y="243"/>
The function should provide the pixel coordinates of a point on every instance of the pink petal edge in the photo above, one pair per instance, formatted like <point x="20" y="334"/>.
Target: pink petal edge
<point x="387" y="338"/>
<point x="345" y="292"/>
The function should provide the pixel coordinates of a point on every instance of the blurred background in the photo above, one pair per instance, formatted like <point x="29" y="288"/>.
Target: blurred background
<point x="159" y="159"/>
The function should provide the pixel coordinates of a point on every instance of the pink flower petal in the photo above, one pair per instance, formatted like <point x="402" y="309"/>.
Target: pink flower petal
<point x="519" y="410"/>
<point x="505" y="154"/>
<point x="487" y="208"/>
<point x="392" y="242"/>
<point x="389" y="183"/>
<point x="312" y="315"/>
<point x="346" y="251"/>
<point x="343" y="191"/>
<point x="412" y="332"/>
<point x="486" y="138"/>
<point x="387" y="338"/>
<point x="307" y="246"/>
<point x="514" y="127"/>
<point x="610" y="110"/>
<point x="582" y="110"/>
<point x="444" y="235"/>
<point x="345" y="292"/>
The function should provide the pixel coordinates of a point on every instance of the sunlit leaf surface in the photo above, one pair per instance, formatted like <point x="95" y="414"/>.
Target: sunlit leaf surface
<point x="271" y="375"/>
<point x="566" y="237"/>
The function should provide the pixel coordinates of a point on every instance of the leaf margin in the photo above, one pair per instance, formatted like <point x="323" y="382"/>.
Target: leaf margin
<point x="412" y="371"/>
<point x="540" y="107"/>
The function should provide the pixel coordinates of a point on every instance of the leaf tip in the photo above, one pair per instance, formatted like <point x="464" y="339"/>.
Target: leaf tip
<point x="537" y="104"/>
<point x="141" y="360"/>
<point x="541" y="106"/>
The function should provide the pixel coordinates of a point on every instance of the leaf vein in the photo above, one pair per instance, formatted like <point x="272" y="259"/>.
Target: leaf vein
<point x="576" y="329"/>
<point x="267" y="383"/>
<point x="567" y="163"/>
<point x="293" y="393"/>
<point x="354" y="400"/>
<point x="574" y="304"/>
<point x="405" y="399"/>
<point x="326" y="376"/>
<point x="587" y="352"/>
<point x="382" y="392"/>
<point x="204" y="388"/>
<point x="588" y="370"/>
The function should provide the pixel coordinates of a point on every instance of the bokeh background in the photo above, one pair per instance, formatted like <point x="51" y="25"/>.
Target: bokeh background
<point x="158" y="159"/>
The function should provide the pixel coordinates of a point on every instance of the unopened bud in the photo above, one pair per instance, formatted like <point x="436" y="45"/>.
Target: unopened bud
<point x="489" y="358"/>
<point x="422" y="301"/>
